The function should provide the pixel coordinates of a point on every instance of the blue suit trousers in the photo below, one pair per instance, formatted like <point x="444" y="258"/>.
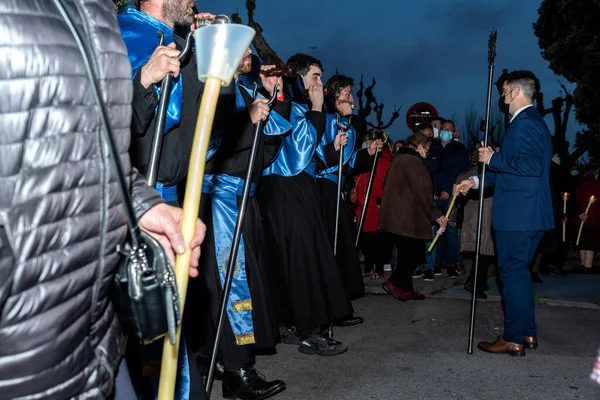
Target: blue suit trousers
<point x="515" y="252"/>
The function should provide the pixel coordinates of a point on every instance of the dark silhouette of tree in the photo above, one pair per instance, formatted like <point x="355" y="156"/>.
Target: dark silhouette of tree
<point x="568" y="33"/>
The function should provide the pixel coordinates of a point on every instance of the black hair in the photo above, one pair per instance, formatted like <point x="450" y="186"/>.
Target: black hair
<point x="301" y="63"/>
<point x="526" y="81"/>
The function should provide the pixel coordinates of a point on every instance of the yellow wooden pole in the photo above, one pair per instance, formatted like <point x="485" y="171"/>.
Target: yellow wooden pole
<point x="437" y="236"/>
<point x="191" y="205"/>
<point x="564" y="224"/>
<point x="590" y="202"/>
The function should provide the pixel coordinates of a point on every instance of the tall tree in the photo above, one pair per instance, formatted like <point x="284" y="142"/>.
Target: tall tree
<point x="568" y="35"/>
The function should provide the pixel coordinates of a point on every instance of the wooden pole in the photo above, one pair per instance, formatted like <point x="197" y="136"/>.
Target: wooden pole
<point x="191" y="206"/>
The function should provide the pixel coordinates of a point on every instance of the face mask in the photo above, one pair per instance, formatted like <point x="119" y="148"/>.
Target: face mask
<point x="456" y="139"/>
<point x="364" y="145"/>
<point x="436" y="133"/>
<point x="574" y="172"/>
<point x="445" y="136"/>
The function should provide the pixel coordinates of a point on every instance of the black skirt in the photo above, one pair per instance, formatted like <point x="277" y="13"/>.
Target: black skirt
<point x="310" y="289"/>
<point x="347" y="255"/>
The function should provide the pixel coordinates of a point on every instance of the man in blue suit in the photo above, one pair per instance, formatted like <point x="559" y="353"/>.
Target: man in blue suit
<point x="520" y="173"/>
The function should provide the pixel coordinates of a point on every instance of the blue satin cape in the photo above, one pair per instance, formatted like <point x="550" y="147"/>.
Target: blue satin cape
<point x="331" y="131"/>
<point x="298" y="149"/>
<point x="140" y="34"/>
<point x="224" y="190"/>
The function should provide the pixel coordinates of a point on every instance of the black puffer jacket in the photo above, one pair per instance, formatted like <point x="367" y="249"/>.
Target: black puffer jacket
<point x="61" y="212"/>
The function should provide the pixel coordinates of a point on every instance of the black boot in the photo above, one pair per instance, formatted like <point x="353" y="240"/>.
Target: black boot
<point x="247" y="384"/>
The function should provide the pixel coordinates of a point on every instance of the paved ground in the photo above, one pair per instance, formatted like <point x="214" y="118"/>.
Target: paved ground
<point x="418" y="350"/>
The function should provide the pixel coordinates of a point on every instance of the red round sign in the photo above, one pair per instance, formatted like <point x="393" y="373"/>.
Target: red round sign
<point x="419" y="113"/>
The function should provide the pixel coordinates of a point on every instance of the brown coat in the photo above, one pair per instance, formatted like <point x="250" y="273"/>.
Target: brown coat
<point x="407" y="203"/>
<point x="470" y="204"/>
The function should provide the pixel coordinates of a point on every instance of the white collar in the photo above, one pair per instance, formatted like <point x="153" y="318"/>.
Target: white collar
<point x="519" y="111"/>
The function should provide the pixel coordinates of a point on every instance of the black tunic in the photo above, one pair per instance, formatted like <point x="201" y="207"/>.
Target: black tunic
<point x="310" y="291"/>
<point x="232" y="159"/>
<point x="177" y="143"/>
<point x="347" y="255"/>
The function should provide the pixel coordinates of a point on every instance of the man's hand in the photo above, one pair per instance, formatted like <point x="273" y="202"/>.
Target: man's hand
<point x="341" y="139"/>
<point x="444" y="195"/>
<point x="465" y="186"/>
<point x="485" y="153"/>
<point x="583" y="217"/>
<point x="375" y="146"/>
<point x="442" y="221"/>
<point x="259" y="110"/>
<point x="161" y="62"/>
<point x="315" y="94"/>
<point x="163" y="223"/>
<point x="201" y="16"/>
<point x="269" y="82"/>
<point x="343" y="107"/>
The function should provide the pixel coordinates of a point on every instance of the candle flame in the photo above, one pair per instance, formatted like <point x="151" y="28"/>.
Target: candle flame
<point x="593" y="198"/>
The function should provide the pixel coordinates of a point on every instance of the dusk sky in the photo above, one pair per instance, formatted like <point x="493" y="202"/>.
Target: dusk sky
<point x="427" y="50"/>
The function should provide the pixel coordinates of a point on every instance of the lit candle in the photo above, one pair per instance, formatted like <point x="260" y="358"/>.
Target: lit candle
<point x="565" y="198"/>
<point x="590" y="202"/>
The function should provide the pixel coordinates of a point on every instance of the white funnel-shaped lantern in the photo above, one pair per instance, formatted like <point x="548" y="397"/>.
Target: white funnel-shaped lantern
<point x="219" y="50"/>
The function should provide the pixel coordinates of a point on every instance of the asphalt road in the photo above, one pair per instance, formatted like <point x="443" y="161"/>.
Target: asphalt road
<point x="418" y="350"/>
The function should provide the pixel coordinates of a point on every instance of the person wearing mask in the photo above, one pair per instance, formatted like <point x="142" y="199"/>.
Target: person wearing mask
<point x="454" y="159"/>
<point x="407" y="213"/>
<point x="310" y="292"/>
<point x="522" y="212"/>
<point x="436" y="125"/>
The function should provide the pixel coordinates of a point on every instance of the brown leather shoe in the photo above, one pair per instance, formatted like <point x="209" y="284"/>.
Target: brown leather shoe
<point x="501" y="346"/>
<point x="531" y="342"/>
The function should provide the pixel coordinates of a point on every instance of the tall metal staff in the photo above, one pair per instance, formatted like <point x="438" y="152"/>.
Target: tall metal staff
<point x="343" y="128"/>
<point x="491" y="61"/>
<point x="235" y="245"/>
<point x="161" y="116"/>
<point x="368" y="193"/>
<point x="219" y="50"/>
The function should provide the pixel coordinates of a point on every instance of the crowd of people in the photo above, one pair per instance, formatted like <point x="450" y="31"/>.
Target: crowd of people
<point x="298" y="268"/>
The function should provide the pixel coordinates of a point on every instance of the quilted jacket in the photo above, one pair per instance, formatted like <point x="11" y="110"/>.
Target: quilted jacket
<point x="61" y="213"/>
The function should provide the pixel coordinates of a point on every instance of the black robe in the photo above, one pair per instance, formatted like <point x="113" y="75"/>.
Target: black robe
<point x="347" y="254"/>
<point x="310" y="291"/>
<point x="232" y="159"/>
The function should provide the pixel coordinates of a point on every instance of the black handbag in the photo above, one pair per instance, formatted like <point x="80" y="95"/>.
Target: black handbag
<point x="144" y="289"/>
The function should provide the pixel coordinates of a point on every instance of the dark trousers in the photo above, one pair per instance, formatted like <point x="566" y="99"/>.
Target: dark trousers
<point x="411" y="252"/>
<point x="376" y="249"/>
<point x="554" y="250"/>
<point x="515" y="252"/>
<point x="482" y="270"/>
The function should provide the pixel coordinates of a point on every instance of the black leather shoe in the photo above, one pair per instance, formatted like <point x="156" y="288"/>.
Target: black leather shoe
<point x="349" y="321"/>
<point x="480" y="293"/>
<point x="247" y="384"/>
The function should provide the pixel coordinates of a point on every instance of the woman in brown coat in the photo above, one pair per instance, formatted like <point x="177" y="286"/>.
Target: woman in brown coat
<point x="407" y="212"/>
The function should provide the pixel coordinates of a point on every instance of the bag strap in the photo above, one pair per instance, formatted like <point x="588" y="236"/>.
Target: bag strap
<point x="134" y="229"/>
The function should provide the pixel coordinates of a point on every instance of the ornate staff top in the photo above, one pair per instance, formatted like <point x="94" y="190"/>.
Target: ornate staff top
<point x="492" y="46"/>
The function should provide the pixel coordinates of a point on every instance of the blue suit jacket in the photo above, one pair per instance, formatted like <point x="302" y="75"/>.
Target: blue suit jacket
<point x="520" y="172"/>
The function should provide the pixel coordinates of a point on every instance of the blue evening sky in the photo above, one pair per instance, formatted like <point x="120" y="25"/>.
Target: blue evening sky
<point x="426" y="50"/>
